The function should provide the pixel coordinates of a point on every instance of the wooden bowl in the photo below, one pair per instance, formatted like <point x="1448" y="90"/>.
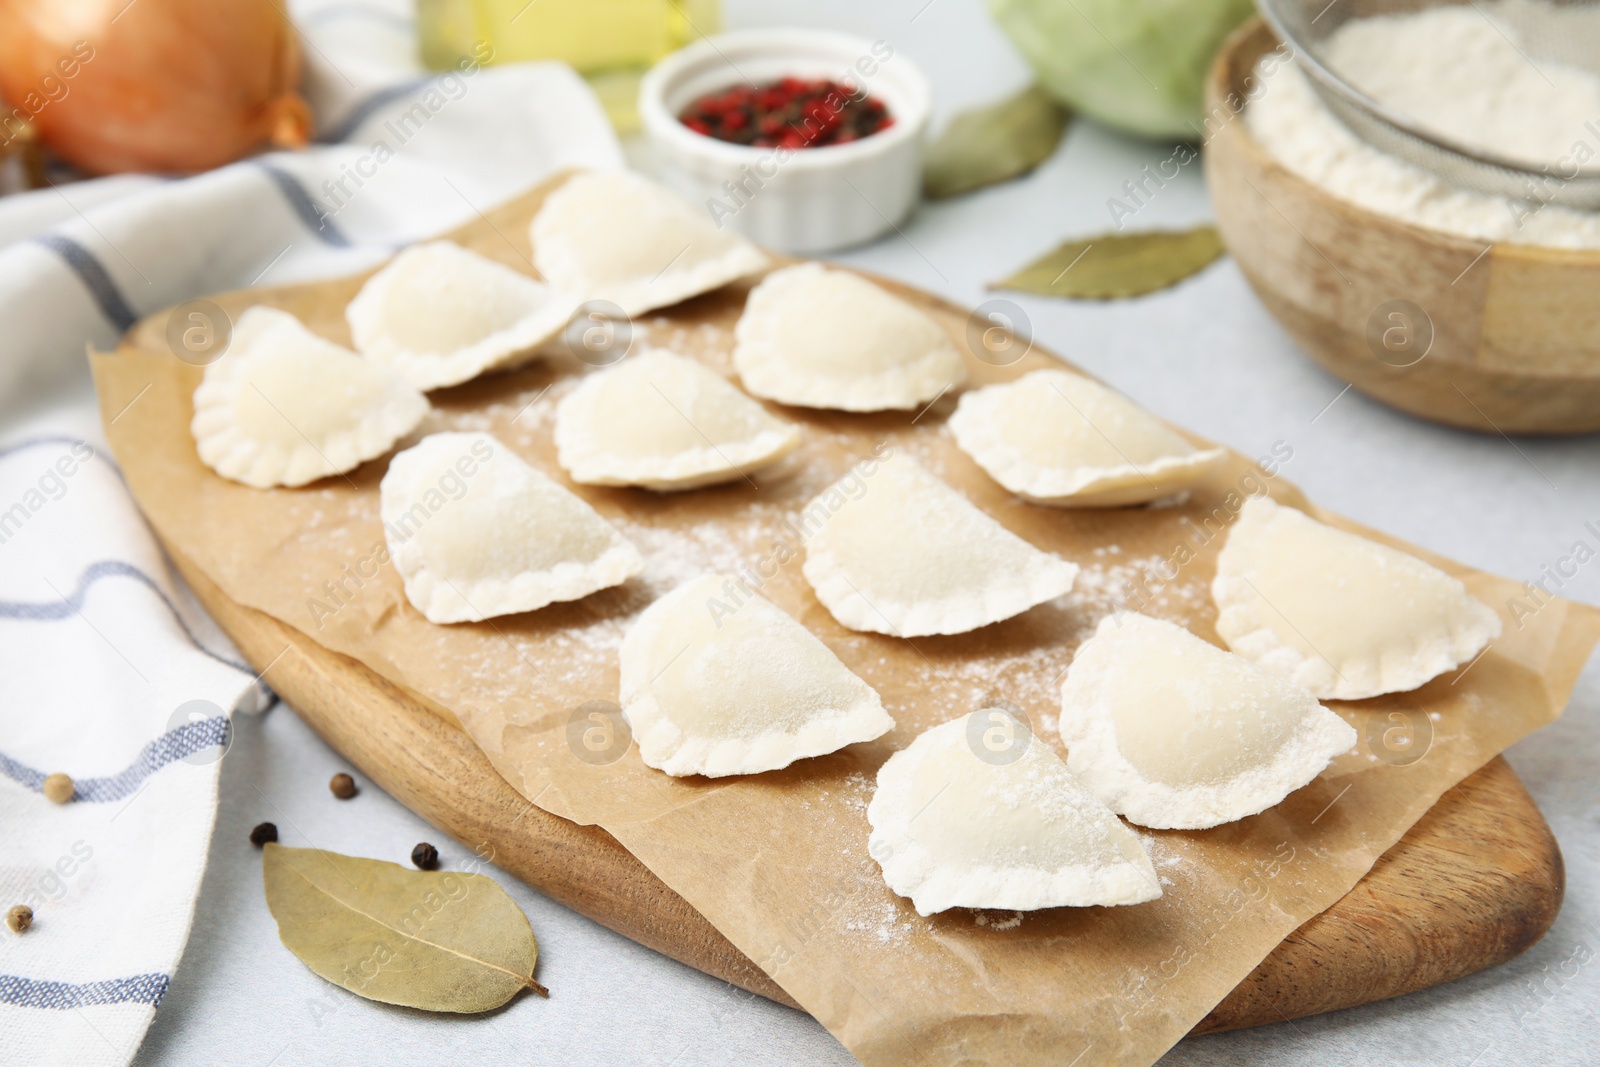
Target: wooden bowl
<point x="1493" y="337"/>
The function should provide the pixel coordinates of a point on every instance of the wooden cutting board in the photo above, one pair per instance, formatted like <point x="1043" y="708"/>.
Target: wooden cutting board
<point x="1474" y="883"/>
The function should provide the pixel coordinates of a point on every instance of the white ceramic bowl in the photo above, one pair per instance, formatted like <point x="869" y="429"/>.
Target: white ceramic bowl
<point x="796" y="200"/>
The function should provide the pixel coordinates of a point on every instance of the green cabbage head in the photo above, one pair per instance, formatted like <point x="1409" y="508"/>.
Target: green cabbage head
<point x="1137" y="65"/>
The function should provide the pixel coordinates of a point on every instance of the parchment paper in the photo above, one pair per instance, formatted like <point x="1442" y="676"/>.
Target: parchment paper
<point x="778" y="862"/>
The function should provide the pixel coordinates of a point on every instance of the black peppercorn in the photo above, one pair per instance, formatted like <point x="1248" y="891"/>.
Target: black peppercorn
<point x="342" y="786"/>
<point x="425" y="856"/>
<point x="263" y="833"/>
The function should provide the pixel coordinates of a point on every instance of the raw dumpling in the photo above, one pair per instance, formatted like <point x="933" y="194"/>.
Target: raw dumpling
<point x="823" y="338"/>
<point x="1055" y="437"/>
<point x="954" y="830"/>
<point x="665" y="422"/>
<point x="717" y="680"/>
<point x="475" y="532"/>
<point x="286" y="407"/>
<point x="441" y="315"/>
<point x="1342" y="616"/>
<point x="1177" y="734"/>
<point x="894" y="550"/>
<point x="616" y="236"/>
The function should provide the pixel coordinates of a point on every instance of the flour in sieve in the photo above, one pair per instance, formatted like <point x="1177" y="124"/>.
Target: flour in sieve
<point x="1462" y="73"/>
<point x="1452" y="70"/>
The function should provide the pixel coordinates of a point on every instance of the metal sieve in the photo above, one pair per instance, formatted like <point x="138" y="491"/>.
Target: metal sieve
<point x="1545" y="31"/>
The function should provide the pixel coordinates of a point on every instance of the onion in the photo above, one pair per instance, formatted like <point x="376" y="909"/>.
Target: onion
<point x="153" y="85"/>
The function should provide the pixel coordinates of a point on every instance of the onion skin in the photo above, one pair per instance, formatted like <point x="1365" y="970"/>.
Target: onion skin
<point x="174" y="86"/>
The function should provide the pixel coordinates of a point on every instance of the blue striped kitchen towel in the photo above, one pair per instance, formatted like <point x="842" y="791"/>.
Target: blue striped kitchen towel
<point x="108" y="670"/>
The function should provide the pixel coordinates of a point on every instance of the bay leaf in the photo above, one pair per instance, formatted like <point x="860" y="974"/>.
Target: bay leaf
<point x="994" y="144"/>
<point x="1116" y="265"/>
<point x="436" y="940"/>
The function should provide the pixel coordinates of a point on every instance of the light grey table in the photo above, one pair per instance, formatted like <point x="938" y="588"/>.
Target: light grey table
<point x="1206" y="355"/>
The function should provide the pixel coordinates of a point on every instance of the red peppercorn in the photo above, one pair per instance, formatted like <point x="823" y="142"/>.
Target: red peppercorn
<point x="789" y="113"/>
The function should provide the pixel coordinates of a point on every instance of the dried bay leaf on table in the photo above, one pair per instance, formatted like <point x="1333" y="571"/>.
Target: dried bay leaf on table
<point x="994" y="144"/>
<point x="1116" y="265"/>
<point x="440" y="941"/>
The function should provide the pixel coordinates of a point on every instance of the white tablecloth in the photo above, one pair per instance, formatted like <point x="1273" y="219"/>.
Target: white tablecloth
<point x="1204" y="354"/>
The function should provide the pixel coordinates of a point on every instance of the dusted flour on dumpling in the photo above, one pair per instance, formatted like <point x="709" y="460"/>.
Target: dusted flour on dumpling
<point x="284" y="406"/>
<point x="441" y="315"/>
<point x="1342" y="616"/>
<point x="616" y="236"/>
<point x="822" y="338"/>
<point x="1175" y="733"/>
<point x="717" y="680"/>
<point x="894" y="550"/>
<point x="1055" y="437"/>
<point x="475" y="532"/>
<point x="665" y="422"/>
<point x="952" y="829"/>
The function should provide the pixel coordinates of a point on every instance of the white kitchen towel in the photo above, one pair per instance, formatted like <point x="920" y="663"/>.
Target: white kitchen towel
<point x="108" y="672"/>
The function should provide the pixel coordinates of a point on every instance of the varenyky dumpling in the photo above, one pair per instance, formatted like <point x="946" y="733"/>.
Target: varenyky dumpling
<point x="717" y="680"/>
<point x="822" y="338"/>
<point x="441" y="315"/>
<point x="1342" y="616"/>
<point x="1177" y="734"/>
<point x="1055" y="437"/>
<point x="952" y="829"/>
<point x="665" y="422"/>
<point x="286" y="407"/>
<point x="475" y="532"/>
<point x="613" y="235"/>
<point x="894" y="550"/>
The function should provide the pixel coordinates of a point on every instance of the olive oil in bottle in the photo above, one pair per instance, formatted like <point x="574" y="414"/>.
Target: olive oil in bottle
<point x="610" y="42"/>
